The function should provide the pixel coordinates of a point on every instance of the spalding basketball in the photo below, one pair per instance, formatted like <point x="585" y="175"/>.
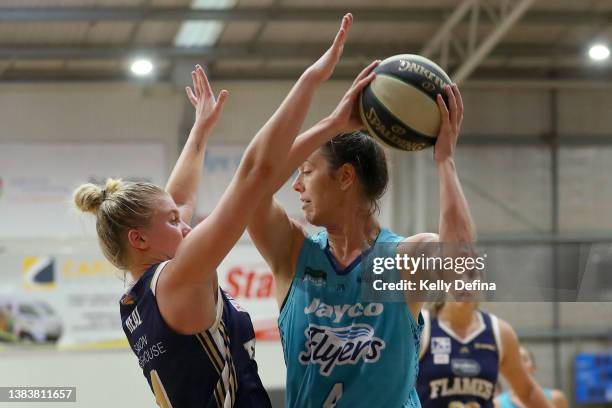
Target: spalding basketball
<point x="399" y="106"/>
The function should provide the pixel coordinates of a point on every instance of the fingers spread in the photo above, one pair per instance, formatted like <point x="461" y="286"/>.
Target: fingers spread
<point x="194" y="79"/>
<point x="459" y="102"/>
<point x="192" y="98"/>
<point x="200" y="75"/>
<point x="221" y="100"/>
<point x="206" y="88"/>
<point x="452" y="103"/>
<point x="366" y="71"/>
<point x="443" y="109"/>
<point x="361" y="84"/>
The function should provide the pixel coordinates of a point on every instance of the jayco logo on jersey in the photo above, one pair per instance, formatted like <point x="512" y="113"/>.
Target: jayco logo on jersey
<point x="336" y="312"/>
<point x="332" y="346"/>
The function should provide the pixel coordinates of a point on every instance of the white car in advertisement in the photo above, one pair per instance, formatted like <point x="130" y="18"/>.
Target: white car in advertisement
<point x="32" y="320"/>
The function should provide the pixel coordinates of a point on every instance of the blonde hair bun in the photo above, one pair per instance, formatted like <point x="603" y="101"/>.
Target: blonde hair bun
<point x="89" y="197"/>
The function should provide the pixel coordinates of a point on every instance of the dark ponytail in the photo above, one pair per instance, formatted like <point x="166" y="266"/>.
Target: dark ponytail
<point x="368" y="159"/>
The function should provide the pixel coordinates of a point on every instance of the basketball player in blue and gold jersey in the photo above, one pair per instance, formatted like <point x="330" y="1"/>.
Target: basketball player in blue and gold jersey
<point x="193" y="342"/>
<point x="463" y="350"/>
<point x="341" y="350"/>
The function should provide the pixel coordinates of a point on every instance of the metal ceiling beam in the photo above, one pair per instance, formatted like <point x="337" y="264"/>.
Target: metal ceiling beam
<point x="582" y="77"/>
<point x="264" y="50"/>
<point x="489" y="78"/>
<point x="443" y="35"/>
<point x="581" y="84"/>
<point x="470" y="47"/>
<point x="509" y="15"/>
<point x="422" y="15"/>
<point x="37" y="14"/>
<point x="497" y="82"/>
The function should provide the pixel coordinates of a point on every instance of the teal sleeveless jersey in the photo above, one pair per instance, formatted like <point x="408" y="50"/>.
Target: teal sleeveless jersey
<point x="341" y="350"/>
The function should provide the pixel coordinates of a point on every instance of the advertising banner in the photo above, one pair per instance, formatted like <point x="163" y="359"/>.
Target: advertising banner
<point x="69" y="298"/>
<point x="37" y="180"/>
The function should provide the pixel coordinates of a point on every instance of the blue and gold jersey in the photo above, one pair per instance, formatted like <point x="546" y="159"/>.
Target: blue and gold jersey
<point x="459" y="372"/>
<point x="215" y="368"/>
<point x="340" y="349"/>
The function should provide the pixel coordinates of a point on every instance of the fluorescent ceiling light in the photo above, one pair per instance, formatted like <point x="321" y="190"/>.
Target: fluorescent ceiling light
<point x="202" y="33"/>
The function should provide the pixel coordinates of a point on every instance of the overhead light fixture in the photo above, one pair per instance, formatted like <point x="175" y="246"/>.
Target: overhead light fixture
<point x="599" y="52"/>
<point x="202" y="33"/>
<point x="142" y="67"/>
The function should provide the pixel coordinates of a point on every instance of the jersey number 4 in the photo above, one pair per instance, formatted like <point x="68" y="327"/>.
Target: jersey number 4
<point x="334" y="395"/>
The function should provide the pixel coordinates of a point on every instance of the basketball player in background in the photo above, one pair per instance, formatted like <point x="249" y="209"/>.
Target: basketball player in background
<point x="511" y="400"/>
<point x="341" y="350"/>
<point x="193" y="342"/>
<point x="463" y="350"/>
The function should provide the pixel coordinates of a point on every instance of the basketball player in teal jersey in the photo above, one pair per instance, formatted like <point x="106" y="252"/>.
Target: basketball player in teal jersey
<point x="195" y="345"/>
<point x="341" y="350"/>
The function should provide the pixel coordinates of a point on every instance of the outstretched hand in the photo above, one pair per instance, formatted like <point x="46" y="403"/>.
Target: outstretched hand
<point x="323" y="68"/>
<point x="207" y="107"/>
<point x="451" y="124"/>
<point x="346" y="116"/>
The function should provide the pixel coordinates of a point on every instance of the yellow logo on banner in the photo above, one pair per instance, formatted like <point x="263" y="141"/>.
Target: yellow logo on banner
<point x="88" y="268"/>
<point x="38" y="272"/>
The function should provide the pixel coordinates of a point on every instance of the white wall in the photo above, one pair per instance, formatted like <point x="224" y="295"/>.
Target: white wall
<point x="90" y="113"/>
<point x="509" y="187"/>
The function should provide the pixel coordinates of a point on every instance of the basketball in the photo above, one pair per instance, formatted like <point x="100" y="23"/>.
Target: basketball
<point x="399" y="106"/>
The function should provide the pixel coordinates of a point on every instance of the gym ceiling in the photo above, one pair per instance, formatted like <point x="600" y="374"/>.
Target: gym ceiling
<point x="539" y="41"/>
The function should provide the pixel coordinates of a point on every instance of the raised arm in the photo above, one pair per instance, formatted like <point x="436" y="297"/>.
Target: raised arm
<point x="190" y="280"/>
<point x="276" y="236"/>
<point x="523" y="385"/>
<point x="185" y="178"/>
<point x="455" y="224"/>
